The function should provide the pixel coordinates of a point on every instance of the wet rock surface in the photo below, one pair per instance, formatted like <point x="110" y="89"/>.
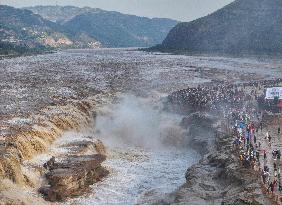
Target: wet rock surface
<point x="72" y="177"/>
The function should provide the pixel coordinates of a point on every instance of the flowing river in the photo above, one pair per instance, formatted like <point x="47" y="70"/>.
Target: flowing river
<point x="146" y="158"/>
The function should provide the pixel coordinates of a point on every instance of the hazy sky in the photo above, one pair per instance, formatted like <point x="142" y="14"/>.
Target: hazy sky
<point x="184" y="10"/>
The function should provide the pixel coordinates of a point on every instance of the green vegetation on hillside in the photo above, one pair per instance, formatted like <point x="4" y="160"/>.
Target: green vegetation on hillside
<point x="242" y="27"/>
<point x="8" y="49"/>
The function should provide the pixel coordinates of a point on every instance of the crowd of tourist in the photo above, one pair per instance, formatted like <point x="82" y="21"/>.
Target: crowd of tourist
<point x="217" y="96"/>
<point x="239" y="104"/>
<point x="254" y="142"/>
<point x="255" y="154"/>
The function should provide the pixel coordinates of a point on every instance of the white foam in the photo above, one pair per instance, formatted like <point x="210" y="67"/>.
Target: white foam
<point x="142" y="167"/>
<point x="137" y="173"/>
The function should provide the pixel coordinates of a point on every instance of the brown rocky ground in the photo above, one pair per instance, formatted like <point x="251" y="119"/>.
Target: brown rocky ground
<point x="271" y="122"/>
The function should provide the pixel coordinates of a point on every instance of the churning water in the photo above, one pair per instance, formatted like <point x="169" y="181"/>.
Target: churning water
<point x="140" y="176"/>
<point x="143" y="167"/>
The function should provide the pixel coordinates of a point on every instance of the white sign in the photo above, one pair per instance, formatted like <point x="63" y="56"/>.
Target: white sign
<point x="271" y="93"/>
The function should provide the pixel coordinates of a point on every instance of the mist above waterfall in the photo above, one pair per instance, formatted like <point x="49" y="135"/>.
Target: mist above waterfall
<point x="139" y="122"/>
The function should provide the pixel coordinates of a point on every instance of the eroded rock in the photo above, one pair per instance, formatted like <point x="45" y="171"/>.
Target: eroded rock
<point x="73" y="176"/>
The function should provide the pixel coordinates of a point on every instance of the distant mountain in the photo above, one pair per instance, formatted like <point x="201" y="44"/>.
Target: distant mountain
<point x="22" y="31"/>
<point x="112" y="29"/>
<point x="242" y="27"/>
<point x="60" y="14"/>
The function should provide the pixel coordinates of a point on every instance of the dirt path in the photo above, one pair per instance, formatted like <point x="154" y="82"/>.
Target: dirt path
<point x="271" y="126"/>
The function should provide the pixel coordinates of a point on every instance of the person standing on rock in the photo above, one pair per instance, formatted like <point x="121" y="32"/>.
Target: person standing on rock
<point x="267" y="176"/>
<point x="257" y="155"/>
<point x="275" y="166"/>
<point x="263" y="177"/>
<point x="280" y="186"/>
<point x="269" y="187"/>
<point x="266" y="135"/>
<point x="278" y="130"/>
<point x="273" y="185"/>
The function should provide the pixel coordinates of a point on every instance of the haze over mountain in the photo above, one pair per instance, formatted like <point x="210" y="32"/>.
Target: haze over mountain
<point x="242" y="27"/>
<point x="182" y="10"/>
<point x="60" y="14"/>
<point x="111" y="29"/>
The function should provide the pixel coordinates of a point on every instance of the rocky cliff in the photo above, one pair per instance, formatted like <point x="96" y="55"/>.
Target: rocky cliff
<point x="73" y="176"/>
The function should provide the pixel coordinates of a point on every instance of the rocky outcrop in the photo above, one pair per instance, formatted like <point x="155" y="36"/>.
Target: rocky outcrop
<point x="73" y="176"/>
<point x="200" y="132"/>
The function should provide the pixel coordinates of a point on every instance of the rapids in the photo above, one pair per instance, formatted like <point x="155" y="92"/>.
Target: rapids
<point x="140" y="176"/>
